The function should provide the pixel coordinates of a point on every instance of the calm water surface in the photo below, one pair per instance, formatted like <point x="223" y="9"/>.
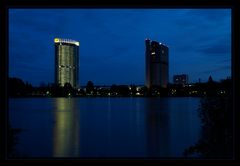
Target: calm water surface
<point x="105" y="127"/>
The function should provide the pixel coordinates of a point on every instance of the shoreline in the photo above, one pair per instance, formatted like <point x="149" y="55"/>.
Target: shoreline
<point x="102" y="96"/>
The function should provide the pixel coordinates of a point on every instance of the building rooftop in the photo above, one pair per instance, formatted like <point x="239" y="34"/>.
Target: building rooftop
<point x="156" y="42"/>
<point x="70" y="41"/>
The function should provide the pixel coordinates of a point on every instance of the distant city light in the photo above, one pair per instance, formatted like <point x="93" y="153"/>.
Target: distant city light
<point x="222" y="92"/>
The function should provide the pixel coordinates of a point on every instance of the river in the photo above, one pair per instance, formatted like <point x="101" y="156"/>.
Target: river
<point x="126" y="127"/>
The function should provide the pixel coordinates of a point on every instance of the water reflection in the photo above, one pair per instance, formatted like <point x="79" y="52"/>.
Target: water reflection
<point x="66" y="128"/>
<point x="138" y="118"/>
<point x="110" y="127"/>
<point x="157" y="127"/>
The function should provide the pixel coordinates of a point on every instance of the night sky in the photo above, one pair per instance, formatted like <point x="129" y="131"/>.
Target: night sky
<point x="112" y="42"/>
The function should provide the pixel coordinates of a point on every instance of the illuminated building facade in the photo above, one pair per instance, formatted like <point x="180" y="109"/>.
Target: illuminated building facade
<point x="156" y="59"/>
<point x="66" y="62"/>
<point x="180" y="79"/>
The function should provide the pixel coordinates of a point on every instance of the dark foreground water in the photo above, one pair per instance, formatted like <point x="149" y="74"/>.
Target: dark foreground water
<point x="105" y="127"/>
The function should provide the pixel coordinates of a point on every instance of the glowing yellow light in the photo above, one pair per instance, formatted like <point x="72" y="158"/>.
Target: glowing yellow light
<point x="56" y="40"/>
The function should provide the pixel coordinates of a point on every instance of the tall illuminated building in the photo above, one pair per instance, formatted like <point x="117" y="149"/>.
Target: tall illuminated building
<point x="66" y="62"/>
<point x="156" y="63"/>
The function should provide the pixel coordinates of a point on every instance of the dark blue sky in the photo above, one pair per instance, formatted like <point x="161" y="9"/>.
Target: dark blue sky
<point x="112" y="42"/>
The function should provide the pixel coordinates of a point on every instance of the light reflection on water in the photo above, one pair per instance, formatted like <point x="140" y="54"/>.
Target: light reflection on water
<point x="157" y="128"/>
<point x="66" y="129"/>
<point x="105" y="127"/>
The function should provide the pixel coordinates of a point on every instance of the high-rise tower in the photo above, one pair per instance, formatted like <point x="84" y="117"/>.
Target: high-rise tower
<point x="66" y="62"/>
<point x="156" y="57"/>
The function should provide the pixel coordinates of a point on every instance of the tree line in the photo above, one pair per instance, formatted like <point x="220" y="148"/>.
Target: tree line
<point x="18" y="88"/>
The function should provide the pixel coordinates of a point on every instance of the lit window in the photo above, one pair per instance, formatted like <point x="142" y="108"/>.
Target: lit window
<point x="153" y="53"/>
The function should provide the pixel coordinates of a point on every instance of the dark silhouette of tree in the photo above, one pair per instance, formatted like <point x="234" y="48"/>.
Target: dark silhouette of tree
<point x="123" y="90"/>
<point x="120" y="90"/>
<point x="216" y="114"/>
<point x="56" y="90"/>
<point x="68" y="89"/>
<point x="157" y="90"/>
<point x="133" y="90"/>
<point x="211" y="87"/>
<point x="90" y="87"/>
<point x="144" y="91"/>
<point x="16" y="87"/>
<point x="82" y="92"/>
<point x="113" y="89"/>
<point x="225" y="84"/>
